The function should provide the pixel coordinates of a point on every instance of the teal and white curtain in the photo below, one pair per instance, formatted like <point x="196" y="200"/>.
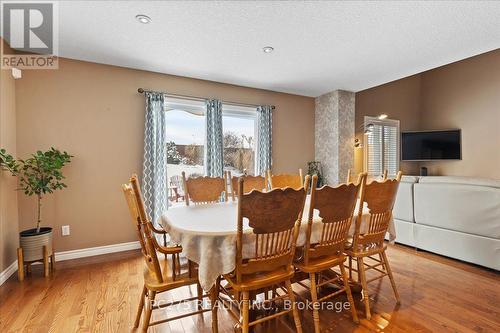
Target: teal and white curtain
<point x="264" y="138"/>
<point x="154" y="178"/>
<point x="214" y="163"/>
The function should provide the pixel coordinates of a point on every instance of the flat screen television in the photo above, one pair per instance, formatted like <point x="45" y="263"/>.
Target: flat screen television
<point x="431" y="145"/>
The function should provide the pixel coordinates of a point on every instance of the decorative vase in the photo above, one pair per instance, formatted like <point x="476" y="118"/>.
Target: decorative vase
<point x="32" y="243"/>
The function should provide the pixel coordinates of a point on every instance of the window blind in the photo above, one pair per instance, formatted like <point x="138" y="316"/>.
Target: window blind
<point x="390" y="142"/>
<point x="382" y="147"/>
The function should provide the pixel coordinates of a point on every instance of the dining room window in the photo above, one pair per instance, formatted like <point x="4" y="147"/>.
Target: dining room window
<point x="238" y="125"/>
<point x="185" y="127"/>
<point x="382" y="146"/>
<point x="185" y="136"/>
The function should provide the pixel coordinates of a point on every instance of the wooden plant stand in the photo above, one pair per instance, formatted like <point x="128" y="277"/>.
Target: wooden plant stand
<point x="49" y="263"/>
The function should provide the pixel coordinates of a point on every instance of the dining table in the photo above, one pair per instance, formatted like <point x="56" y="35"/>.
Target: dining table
<point x="207" y="234"/>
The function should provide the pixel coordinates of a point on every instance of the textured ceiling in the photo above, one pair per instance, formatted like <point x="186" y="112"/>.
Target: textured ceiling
<point x="319" y="46"/>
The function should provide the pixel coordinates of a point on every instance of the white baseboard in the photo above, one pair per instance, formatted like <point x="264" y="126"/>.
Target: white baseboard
<point x="8" y="272"/>
<point x="96" y="251"/>
<point x="75" y="254"/>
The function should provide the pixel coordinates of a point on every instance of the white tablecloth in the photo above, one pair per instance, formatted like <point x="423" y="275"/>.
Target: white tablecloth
<point x="207" y="234"/>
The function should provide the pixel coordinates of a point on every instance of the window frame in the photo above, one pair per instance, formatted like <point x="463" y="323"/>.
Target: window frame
<point x="195" y="107"/>
<point x="383" y="122"/>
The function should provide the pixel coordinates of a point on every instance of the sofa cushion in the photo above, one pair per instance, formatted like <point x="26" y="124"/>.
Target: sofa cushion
<point x="410" y="179"/>
<point x="466" y="208"/>
<point x="403" y="207"/>
<point x="460" y="180"/>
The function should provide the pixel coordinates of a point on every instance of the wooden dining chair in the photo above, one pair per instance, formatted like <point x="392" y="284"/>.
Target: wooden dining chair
<point x="351" y="178"/>
<point x="158" y="275"/>
<point x="285" y="180"/>
<point x="369" y="245"/>
<point x="174" y="249"/>
<point x="335" y="206"/>
<point x="176" y="191"/>
<point x="204" y="190"/>
<point x="275" y="219"/>
<point x="249" y="183"/>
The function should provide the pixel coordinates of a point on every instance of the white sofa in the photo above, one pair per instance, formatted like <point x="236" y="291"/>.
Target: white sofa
<point x="458" y="217"/>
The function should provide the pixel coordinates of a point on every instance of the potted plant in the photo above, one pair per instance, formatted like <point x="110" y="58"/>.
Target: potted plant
<point x="314" y="168"/>
<point x="38" y="175"/>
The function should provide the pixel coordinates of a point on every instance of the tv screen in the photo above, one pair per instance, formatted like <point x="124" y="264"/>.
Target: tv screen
<point x="431" y="145"/>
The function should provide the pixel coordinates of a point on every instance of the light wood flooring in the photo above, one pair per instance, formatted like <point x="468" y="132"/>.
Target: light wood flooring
<point x="100" y="294"/>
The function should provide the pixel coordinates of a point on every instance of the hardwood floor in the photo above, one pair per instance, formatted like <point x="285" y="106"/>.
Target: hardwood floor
<point x="101" y="294"/>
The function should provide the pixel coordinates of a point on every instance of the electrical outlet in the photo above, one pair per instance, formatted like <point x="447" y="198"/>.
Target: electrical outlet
<point x="65" y="230"/>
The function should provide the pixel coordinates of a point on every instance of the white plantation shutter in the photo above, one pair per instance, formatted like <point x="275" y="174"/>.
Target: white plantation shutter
<point x="391" y="159"/>
<point x="375" y="159"/>
<point x="382" y="145"/>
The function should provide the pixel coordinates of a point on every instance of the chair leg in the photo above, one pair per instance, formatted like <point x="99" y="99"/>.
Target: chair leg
<point x="190" y="268"/>
<point x="381" y="258"/>
<point x="364" y="285"/>
<point x="245" y="312"/>
<point x="140" y="308"/>
<point x="389" y="272"/>
<point x="348" y="292"/>
<point x="295" y="311"/>
<point x="149" y="310"/>
<point x="214" y="294"/>
<point x="199" y="291"/>
<point x="179" y="263"/>
<point x="174" y="266"/>
<point x="350" y="269"/>
<point x="315" y="304"/>
<point x="358" y="280"/>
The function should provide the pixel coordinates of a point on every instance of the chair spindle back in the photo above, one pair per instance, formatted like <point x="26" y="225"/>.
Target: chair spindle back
<point x="379" y="198"/>
<point x="336" y="206"/>
<point x="275" y="218"/>
<point x="146" y="238"/>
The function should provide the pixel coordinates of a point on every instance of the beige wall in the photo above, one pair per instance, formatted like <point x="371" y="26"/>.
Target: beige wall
<point x="95" y="113"/>
<point x="8" y="194"/>
<point x="466" y="95"/>
<point x="400" y="100"/>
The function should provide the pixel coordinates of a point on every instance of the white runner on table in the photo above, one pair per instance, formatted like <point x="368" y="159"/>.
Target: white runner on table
<point x="207" y="234"/>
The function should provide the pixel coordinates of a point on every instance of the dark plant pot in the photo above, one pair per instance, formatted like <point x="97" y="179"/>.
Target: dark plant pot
<point x="32" y="243"/>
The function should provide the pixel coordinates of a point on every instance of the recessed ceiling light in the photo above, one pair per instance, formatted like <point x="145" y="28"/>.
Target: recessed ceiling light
<point x="143" y="18"/>
<point x="268" y="49"/>
<point x="382" y="116"/>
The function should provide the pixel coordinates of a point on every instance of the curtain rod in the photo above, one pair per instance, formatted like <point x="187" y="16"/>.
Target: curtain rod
<point x="197" y="98"/>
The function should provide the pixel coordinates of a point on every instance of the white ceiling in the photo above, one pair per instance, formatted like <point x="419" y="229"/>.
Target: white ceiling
<point x="319" y="46"/>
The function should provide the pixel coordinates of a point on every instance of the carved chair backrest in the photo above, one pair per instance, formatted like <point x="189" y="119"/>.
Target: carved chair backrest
<point x="204" y="190"/>
<point x="379" y="197"/>
<point x="295" y="181"/>
<point x="275" y="218"/>
<point x="142" y="225"/>
<point x="336" y="206"/>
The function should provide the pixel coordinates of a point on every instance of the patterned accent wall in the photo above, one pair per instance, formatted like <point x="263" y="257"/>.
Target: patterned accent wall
<point x="334" y="134"/>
